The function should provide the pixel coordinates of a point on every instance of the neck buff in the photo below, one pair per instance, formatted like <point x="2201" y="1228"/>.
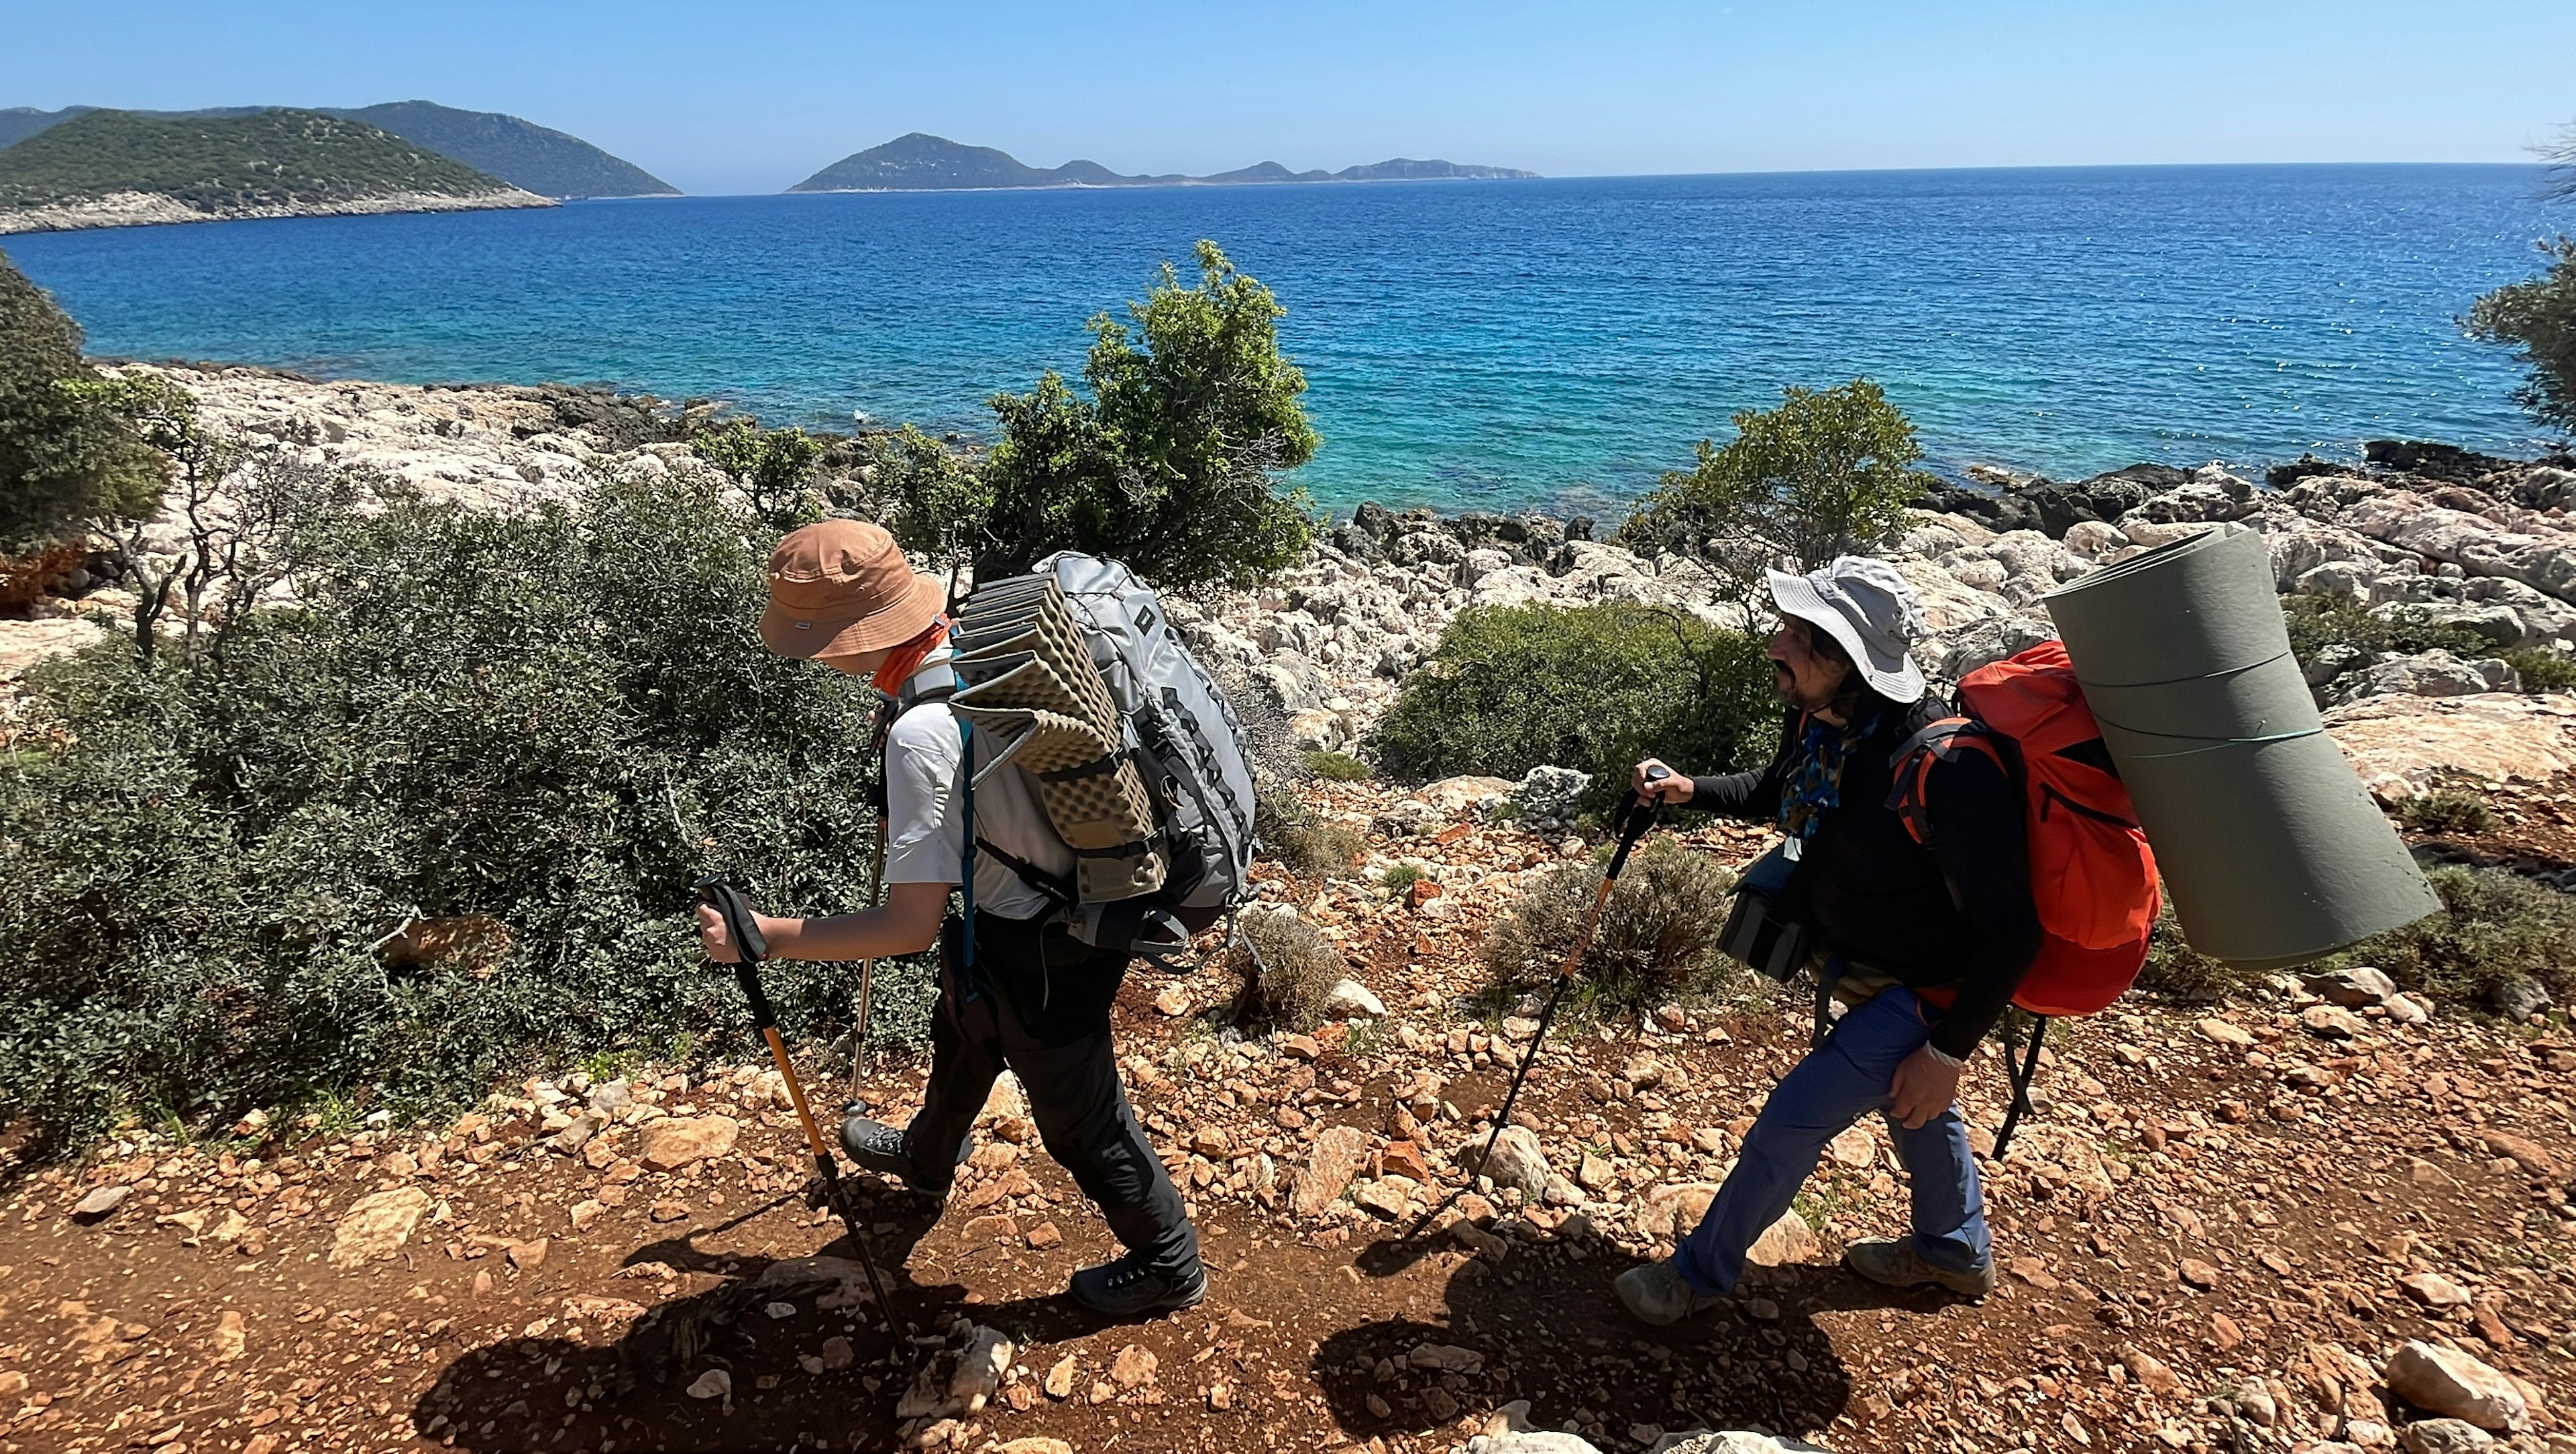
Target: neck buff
<point x="907" y="658"/>
<point x="1815" y="785"/>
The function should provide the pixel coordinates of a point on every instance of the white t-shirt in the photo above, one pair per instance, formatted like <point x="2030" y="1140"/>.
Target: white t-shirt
<point x="925" y="817"/>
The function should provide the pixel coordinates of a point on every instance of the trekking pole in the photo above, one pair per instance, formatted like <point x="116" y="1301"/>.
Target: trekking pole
<point x="751" y="947"/>
<point x="1635" y="816"/>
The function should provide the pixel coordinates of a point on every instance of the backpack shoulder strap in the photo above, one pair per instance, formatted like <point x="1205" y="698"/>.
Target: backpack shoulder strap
<point x="1942" y="741"/>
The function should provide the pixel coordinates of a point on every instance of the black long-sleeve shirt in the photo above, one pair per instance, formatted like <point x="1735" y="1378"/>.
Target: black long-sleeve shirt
<point x="1956" y="915"/>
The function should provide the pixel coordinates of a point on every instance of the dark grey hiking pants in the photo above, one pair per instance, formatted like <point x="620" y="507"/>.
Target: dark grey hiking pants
<point x="1042" y="1011"/>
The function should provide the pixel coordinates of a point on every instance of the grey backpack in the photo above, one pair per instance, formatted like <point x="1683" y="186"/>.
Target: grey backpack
<point x="1076" y="676"/>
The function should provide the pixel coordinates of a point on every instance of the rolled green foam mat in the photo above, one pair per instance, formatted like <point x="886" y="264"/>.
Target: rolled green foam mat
<point x="2269" y="847"/>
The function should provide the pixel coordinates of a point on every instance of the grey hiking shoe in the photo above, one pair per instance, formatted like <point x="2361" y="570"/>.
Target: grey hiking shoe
<point x="1657" y="1293"/>
<point x="1897" y="1264"/>
<point x="1131" y="1287"/>
<point x="879" y="1148"/>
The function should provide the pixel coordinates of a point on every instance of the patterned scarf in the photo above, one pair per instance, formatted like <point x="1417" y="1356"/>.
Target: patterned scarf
<point x="1815" y="785"/>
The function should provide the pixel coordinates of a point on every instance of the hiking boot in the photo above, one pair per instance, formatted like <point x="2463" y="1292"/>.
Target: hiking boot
<point x="879" y="1148"/>
<point x="1658" y="1294"/>
<point x="1897" y="1264"/>
<point x="1131" y="1287"/>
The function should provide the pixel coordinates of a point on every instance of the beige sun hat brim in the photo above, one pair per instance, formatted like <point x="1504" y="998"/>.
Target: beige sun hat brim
<point x="792" y="634"/>
<point x="1891" y="675"/>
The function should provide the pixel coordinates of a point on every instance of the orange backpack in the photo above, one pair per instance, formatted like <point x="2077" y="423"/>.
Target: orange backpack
<point x="2092" y="876"/>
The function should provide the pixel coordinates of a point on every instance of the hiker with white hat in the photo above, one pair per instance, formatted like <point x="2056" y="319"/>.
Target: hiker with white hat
<point x="1923" y="943"/>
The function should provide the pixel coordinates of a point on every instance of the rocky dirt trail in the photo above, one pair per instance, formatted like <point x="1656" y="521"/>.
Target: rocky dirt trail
<point x="2306" y="1220"/>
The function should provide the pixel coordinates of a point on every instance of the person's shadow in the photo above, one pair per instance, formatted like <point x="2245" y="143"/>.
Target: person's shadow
<point x="1546" y="1326"/>
<point x="625" y="1379"/>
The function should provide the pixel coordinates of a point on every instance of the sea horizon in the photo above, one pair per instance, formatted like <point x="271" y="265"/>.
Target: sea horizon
<point x="1505" y="343"/>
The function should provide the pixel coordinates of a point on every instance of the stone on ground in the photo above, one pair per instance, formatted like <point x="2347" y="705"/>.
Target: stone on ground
<point x="1518" y="1161"/>
<point x="99" y="1205"/>
<point x="2446" y="1436"/>
<point x="1329" y="1169"/>
<point x="377" y="1226"/>
<point x="2357" y="988"/>
<point x="1787" y="1240"/>
<point x="677" y="1141"/>
<point x="2452" y="1384"/>
<point x="1351" y="1000"/>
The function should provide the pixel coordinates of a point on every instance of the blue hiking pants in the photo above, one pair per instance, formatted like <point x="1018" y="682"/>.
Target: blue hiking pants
<point x="1842" y="1080"/>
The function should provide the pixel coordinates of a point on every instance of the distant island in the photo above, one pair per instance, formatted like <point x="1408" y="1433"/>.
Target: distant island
<point x="521" y="153"/>
<point x="120" y="169"/>
<point x="921" y="162"/>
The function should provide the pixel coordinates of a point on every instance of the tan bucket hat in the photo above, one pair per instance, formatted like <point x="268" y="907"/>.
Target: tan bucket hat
<point x="841" y="587"/>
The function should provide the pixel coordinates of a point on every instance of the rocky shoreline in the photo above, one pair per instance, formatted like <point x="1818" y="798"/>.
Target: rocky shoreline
<point x="2454" y="538"/>
<point x="149" y="209"/>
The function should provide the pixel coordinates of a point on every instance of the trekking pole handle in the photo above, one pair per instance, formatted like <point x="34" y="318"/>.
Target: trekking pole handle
<point x="750" y="946"/>
<point x="1636" y="815"/>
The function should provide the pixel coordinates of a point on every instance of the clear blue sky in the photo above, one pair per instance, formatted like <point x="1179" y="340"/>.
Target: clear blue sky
<point x="751" y="95"/>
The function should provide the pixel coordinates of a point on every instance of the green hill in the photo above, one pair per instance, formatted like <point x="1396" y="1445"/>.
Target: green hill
<point x="538" y="159"/>
<point x="920" y="162"/>
<point x="269" y="163"/>
<point x="534" y="158"/>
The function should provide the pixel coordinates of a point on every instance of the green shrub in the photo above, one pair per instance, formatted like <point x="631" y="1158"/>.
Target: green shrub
<point x="1827" y="473"/>
<point x="2178" y="974"/>
<point x="2447" y="813"/>
<point x="774" y="467"/>
<point x="1598" y="687"/>
<point x="2317" y="622"/>
<point x="2495" y="928"/>
<point x="1288" y="969"/>
<point x="2536" y="318"/>
<point x="66" y="452"/>
<point x="1658" y="937"/>
<point x="1401" y="877"/>
<point x="1337" y="767"/>
<point x="2542" y="670"/>
<point x="542" y="726"/>
<point x="1170" y="464"/>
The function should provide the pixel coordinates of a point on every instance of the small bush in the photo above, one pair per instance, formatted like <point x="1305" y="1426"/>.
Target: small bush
<point x="2495" y="928"/>
<point x="774" y="467"/>
<point x="2542" y="670"/>
<point x="1401" y="877"/>
<point x="1295" y="839"/>
<point x="1658" y="937"/>
<point x="2447" y="813"/>
<point x="2317" y="622"/>
<point x="2178" y="974"/>
<point x="1591" y="687"/>
<point x="1288" y="969"/>
<point x="1827" y="473"/>
<point x="1337" y="767"/>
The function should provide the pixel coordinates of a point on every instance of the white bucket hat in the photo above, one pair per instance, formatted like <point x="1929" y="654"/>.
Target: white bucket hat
<point x="1865" y="605"/>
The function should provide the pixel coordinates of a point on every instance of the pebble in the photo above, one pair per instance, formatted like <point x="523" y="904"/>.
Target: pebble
<point x="100" y="1204"/>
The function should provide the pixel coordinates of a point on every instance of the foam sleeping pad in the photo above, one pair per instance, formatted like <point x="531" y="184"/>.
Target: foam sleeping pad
<point x="2271" y="850"/>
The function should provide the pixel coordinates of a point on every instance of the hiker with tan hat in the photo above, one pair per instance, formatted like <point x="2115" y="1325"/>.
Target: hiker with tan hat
<point x="1923" y="943"/>
<point x="1023" y="993"/>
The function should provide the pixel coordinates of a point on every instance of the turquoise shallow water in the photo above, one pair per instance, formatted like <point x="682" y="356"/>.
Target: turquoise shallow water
<point x="1481" y="345"/>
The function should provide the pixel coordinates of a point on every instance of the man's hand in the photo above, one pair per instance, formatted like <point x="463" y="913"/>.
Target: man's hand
<point x="719" y="941"/>
<point x="1674" y="789"/>
<point x="1924" y="1088"/>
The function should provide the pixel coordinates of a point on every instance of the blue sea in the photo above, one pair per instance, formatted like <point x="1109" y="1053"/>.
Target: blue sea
<point x="1550" y="343"/>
